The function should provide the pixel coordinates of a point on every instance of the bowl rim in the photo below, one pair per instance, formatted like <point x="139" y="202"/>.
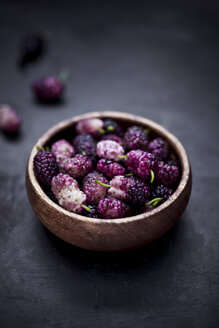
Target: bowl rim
<point x="135" y="119"/>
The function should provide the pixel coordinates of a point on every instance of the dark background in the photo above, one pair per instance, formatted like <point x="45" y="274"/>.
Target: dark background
<point x="159" y="59"/>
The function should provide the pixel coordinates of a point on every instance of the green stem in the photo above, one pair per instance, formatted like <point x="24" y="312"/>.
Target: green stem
<point x="40" y="148"/>
<point x="147" y="130"/>
<point x="64" y="75"/>
<point x="122" y="156"/>
<point x="85" y="207"/>
<point x="83" y="153"/>
<point x="103" y="184"/>
<point x="129" y="175"/>
<point x="154" y="201"/>
<point x="152" y="176"/>
<point x="110" y="128"/>
<point x="102" y="131"/>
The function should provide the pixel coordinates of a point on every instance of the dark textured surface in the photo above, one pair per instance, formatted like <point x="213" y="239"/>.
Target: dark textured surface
<point x="153" y="59"/>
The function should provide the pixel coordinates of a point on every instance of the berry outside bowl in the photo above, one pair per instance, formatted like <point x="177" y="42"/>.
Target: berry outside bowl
<point x="115" y="234"/>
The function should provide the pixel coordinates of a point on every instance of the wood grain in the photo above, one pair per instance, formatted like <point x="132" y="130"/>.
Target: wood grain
<point x="118" y="234"/>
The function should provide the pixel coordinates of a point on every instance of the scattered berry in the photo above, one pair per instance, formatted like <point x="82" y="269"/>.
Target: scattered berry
<point x="129" y="189"/>
<point x="161" y="191"/>
<point x="111" y="126"/>
<point x="9" y="121"/>
<point x="166" y="174"/>
<point x="78" y="166"/>
<point x="93" y="126"/>
<point x="63" y="150"/>
<point x="110" y="150"/>
<point x="109" y="168"/>
<point x="45" y="167"/>
<point x="67" y="192"/>
<point x="49" y="89"/>
<point x="32" y="48"/>
<point x="136" y="138"/>
<point x="111" y="208"/>
<point x="93" y="190"/>
<point x="159" y="148"/>
<point x="85" y="144"/>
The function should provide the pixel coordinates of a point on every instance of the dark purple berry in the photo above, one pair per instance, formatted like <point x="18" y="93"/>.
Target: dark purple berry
<point x="49" y="89"/>
<point x="136" y="138"/>
<point x="166" y="174"/>
<point x="109" y="168"/>
<point x="129" y="189"/>
<point x="50" y="194"/>
<point x="45" y="167"/>
<point x="159" y="148"/>
<point x="78" y="166"/>
<point x="9" y="121"/>
<point x="113" y="137"/>
<point x="111" y="126"/>
<point x="92" y="213"/>
<point x="32" y="48"/>
<point x="111" y="208"/>
<point x="85" y="144"/>
<point x="142" y="164"/>
<point x="93" y="190"/>
<point x="160" y="191"/>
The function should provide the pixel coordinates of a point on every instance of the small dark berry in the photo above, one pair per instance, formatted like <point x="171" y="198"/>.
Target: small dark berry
<point x="136" y="138"/>
<point x="9" y="120"/>
<point x="49" y="89"/>
<point x="93" y="126"/>
<point x="85" y="144"/>
<point x="32" y="48"/>
<point x="45" y="167"/>
<point x="109" y="168"/>
<point x="111" y="126"/>
<point x="92" y="213"/>
<point x="78" y="166"/>
<point x="159" y="148"/>
<point x="160" y="191"/>
<point x="166" y="174"/>
<point x="93" y="190"/>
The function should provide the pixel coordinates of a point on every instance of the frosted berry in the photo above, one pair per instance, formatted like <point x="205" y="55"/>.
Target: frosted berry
<point x="109" y="168"/>
<point x="113" y="137"/>
<point x="85" y="144"/>
<point x="110" y="150"/>
<point x="142" y="164"/>
<point x="159" y="148"/>
<point x="9" y="120"/>
<point x="92" y="213"/>
<point x="111" y="126"/>
<point x="49" y="89"/>
<point x="129" y="189"/>
<point x="78" y="166"/>
<point x="45" y="167"/>
<point x="161" y="191"/>
<point x="166" y="174"/>
<point x="93" y="190"/>
<point x="93" y="126"/>
<point x="111" y="208"/>
<point x="63" y="150"/>
<point x="67" y="192"/>
<point x="136" y="138"/>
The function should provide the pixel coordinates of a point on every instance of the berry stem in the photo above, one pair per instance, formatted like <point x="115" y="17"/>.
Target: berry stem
<point x="129" y="175"/>
<point x="83" y="153"/>
<point x="64" y="75"/>
<point x="110" y="128"/>
<point x="152" y="176"/>
<point x="85" y="207"/>
<point x="103" y="184"/>
<point x="154" y="201"/>
<point x="122" y="156"/>
<point x="147" y="130"/>
<point x="40" y="148"/>
<point x="102" y="131"/>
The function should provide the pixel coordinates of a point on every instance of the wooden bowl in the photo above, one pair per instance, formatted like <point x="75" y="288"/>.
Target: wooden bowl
<point x="117" y="234"/>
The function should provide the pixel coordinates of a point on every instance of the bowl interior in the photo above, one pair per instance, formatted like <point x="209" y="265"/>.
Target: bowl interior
<point x="66" y="130"/>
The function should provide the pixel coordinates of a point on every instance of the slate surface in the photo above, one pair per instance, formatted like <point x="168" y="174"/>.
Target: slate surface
<point x="155" y="59"/>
